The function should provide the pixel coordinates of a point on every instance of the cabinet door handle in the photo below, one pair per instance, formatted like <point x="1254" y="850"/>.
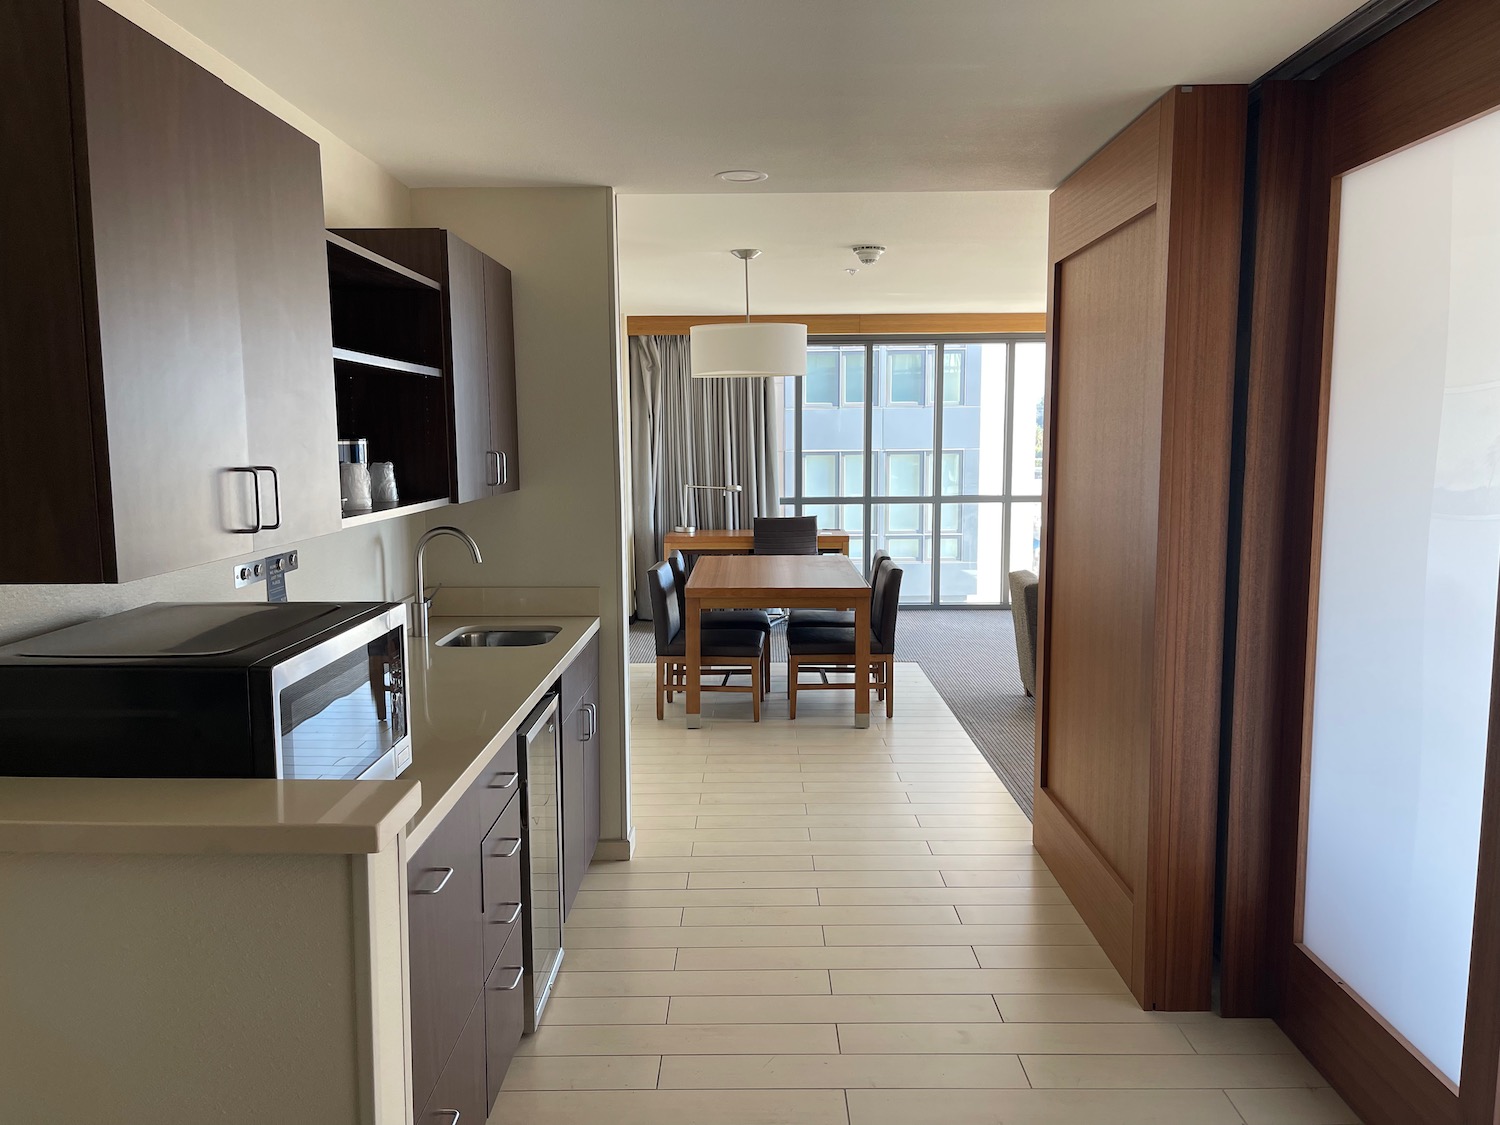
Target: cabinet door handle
<point x="492" y="479"/>
<point x="592" y="714"/>
<point x="502" y="467"/>
<point x="515" y="846"/>
<point x="514" y="914"/>
<point x="520" y="971"/>
<point x="443" y="882"/>
<point x="510" y="780"/>
<point x="275" y="494"/>
<point x="254" y="471"/>
<point x="451" y="1114"/>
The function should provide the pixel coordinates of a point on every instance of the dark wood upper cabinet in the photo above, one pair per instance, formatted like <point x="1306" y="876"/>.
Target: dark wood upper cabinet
<point x="479" y="361"/>
<point x="163" y="310"/>
<point x="500" y="338"/>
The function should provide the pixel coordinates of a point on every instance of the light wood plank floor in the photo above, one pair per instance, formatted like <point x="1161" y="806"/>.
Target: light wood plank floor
<point x="830" y="926"/>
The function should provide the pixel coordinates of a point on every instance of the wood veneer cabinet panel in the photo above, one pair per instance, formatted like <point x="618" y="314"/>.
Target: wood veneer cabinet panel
<point x="1145" y="266"/>
<point x="47" y="380"/>
<point x="479" y="344"/>
<point x="155" y="293"/>
<point x="445" y="920"/>
<point x="469" y="376"/>
<point x="500" y="338"/>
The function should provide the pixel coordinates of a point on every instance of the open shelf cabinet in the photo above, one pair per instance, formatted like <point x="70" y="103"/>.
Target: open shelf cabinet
<point x="390" y="385"/>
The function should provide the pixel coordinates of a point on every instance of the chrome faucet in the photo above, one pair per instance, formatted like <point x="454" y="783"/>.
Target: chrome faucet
<point x="424" y="599"/>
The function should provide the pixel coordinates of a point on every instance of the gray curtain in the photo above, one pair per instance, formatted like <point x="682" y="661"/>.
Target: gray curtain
<point x="695" y="431"/>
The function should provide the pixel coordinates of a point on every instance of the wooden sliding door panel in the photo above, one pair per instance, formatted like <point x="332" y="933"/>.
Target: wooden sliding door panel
<point x="1145" y="267"/>
<point x="1107" y="427"/>
<point x="1351" y="1016"/>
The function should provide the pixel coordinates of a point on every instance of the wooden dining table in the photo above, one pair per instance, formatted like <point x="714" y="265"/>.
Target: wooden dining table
<point x="739" y="541"/>
<point x="777" y="582"/>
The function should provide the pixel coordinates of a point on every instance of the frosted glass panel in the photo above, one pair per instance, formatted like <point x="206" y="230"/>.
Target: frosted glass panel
<point x="1406" y="597"/>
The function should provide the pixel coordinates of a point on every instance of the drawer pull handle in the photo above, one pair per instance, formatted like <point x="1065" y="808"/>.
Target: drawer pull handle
<point x="520" y="972"/>
<point x="515" y="846"/>
<point x="515" y="913"/>
<point x="509" y="782"/>
<point x="443" y="882"/>
<point x="452" y="1114"/>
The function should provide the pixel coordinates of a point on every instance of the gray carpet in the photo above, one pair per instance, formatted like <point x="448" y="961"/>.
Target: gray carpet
<point x="970" y="657"/>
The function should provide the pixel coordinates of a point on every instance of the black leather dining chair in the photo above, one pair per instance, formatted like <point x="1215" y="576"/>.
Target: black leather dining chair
<point x="827" y="649"/>
<point x="786" y="535"/>
<point x="838" y="618"/>
<point x="722" y="618"/>
<point x="721" y="649"/>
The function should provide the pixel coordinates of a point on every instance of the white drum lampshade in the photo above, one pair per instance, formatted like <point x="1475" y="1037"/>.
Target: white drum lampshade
<point x="753" y="350"/>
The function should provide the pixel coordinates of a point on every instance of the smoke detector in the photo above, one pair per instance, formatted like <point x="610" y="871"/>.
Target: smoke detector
<point x="868" y="255"/>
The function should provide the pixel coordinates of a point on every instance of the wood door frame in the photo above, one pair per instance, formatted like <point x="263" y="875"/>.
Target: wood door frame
<point x="1431" y="73"/>
<point x="1182" y="161"/>
<point x="856" y="324"/>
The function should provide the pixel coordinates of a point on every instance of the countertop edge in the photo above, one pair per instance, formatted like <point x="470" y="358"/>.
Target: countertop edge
<point x="372" y="832"/>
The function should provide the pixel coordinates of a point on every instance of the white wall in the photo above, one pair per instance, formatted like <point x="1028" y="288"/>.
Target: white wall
<point x="371" y="563"/>
<point x="564" y="526"/>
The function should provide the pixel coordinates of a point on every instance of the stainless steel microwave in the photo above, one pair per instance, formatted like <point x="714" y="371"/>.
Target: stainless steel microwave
<point x="294" y="690"/>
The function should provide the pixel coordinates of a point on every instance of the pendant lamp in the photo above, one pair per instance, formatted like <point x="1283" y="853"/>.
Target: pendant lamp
<point x="748" y="350"/>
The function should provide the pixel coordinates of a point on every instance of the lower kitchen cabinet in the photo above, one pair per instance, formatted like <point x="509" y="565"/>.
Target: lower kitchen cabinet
<point x="466" y="913"/>
<point x="464" y="919"/>
<point x="580" y="770"/>
<point x="460" y="1095"/>
<point x="445" y="935"/>
<point x="504" y="1013"/>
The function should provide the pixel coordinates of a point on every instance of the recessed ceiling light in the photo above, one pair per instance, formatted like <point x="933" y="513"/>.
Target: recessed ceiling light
<point x="742" y="176"/>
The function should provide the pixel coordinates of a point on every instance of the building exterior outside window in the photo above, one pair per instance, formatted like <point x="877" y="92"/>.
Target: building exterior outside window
<point x="929" y="449"/>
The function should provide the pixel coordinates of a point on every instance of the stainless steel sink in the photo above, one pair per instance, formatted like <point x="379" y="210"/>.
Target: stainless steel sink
<point x="497" y="638"/>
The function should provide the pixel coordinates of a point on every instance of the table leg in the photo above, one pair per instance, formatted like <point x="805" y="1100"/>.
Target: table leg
<point x="693" y="657"/>
<point x="862" y="663"/>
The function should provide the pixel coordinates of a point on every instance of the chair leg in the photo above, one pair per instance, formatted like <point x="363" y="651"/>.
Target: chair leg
<point x="888" y="675"/>
<point x="755" y="690"/>
<point x="791" y="684"/>
<point x="661" y="689"/>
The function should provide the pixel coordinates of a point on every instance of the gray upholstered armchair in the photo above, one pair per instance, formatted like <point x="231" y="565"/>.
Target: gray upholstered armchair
<point x="1023" y="613"/>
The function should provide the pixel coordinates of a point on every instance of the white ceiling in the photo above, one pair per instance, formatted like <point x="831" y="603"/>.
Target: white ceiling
<point x="946" y="252"/>
<point x="825" y="95"/>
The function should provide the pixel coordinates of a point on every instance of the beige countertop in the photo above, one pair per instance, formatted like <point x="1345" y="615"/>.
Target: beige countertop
<point x="178" y="815"/>
<point x="464" y="704"/>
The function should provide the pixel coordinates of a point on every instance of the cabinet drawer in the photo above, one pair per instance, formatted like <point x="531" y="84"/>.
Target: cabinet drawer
<point x="497" y="784"/>
<point x="460" y="1093"/>
<point x="446" y="936"/>
<point x="502" y="882"/>
<point x="504" y="1013"/>
<point x="578" y="675"/>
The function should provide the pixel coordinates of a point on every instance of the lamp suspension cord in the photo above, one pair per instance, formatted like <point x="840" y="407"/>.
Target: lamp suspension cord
<point x="747" y="290"/>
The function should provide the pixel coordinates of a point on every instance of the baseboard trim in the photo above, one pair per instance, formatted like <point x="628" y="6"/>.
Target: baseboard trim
<point x="617" y="850"/>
